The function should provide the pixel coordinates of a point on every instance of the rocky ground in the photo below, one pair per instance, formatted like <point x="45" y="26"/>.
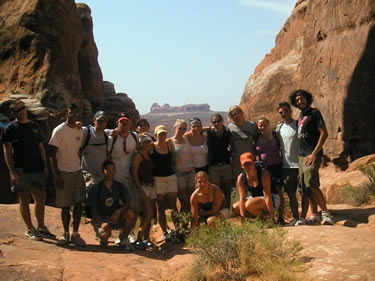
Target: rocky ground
<point x="345" y="251"/>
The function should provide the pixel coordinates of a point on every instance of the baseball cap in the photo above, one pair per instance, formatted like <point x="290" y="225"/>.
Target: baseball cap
<point x="246" y="157"/>
<point x="122" y="118"/>
<point x="100" y="114"/>
<point x="160" y="129"/>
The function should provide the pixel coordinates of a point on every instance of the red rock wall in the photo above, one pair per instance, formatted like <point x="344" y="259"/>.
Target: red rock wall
<point x="327" y="48"/>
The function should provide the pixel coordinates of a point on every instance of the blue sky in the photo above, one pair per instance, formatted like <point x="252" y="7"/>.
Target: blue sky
<point x="184" y="51"/>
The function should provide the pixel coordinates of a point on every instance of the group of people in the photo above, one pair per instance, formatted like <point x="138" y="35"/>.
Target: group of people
<point x="122" y="174"/>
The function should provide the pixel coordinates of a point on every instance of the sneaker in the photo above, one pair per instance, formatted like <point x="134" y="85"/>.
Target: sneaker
<point x="327" y="219"/>
<point x="139" y="245"/>
<point x="64" y="239"/>
<point x="167" y="237"/>
<point x="131" y="238"/>
<point x="301" y="221"/>
<point x="313" y="220"/>
<point x="45" y="233"/>
<point x="118" y="241"/>
<point x="77" y="240"/>
<point x="150" y="245"/>
<point x="33" y="234"/>
<point x="293" y="222"/>
<point x="126" y="245"/>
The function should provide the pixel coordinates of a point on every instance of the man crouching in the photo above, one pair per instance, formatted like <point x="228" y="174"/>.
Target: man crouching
<point x="109" y="204"/>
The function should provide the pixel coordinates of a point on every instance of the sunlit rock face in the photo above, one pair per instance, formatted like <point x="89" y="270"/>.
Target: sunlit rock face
<point x="328" y="49"/>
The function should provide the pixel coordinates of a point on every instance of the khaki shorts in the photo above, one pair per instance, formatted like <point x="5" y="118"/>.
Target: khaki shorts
<point x="308" y="175"/>
<point x="74" y="190"/>
<point x="164" y="185"/>
<point x="149" y="190"/>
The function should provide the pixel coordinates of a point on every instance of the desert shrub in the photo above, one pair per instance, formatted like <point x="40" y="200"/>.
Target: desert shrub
<point x="369" y="172"/>
<point x="234" y="252"/>
<point x="357" y="196"/>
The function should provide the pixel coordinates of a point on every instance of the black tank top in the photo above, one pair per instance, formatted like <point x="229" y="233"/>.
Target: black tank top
<point x="145" y="171"/>
<point x="162" y="163"/>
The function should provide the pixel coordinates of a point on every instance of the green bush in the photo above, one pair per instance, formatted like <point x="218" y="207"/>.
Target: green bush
<point x="369" y="171"/>
<point x="234" y="252"/>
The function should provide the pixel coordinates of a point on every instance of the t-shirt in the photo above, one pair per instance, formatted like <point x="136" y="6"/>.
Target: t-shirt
<point x="106" y="201"/>
<point x="94" y="153"/>
<point x="289" y="143"/>
<point x="242" y="141"/>
<point x="25" y="139"/>
<point x="308" y="131"/>
<point x="218" y="147"/>
<point x="68" y="141"/>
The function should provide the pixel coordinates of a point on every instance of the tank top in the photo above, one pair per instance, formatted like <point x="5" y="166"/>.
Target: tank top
<point x="145" y="169"/>
<point x="162" y="163"/>
<point x="183" y="159"/>
<point x="199" y="155"/>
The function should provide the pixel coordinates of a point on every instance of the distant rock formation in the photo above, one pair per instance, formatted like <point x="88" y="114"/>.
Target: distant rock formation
<point x="328" y="49"/>
<point x="166" y="108"/>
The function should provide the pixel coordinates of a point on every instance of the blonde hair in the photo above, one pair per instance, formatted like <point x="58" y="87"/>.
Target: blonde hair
<point x="179" y="122"/>
<point x="200" y="174"/>
<point x="234" y="107"/>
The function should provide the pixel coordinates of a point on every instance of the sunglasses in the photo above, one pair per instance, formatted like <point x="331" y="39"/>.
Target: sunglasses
<point x="216" y="121"/>
<point x="19" y="109"/>
<point x="124" y="147"/>
<point x="234" y="113"/>
<point x="247" y="164"/>
<point x="102" y="121"/>
<point x="182" y="129"/>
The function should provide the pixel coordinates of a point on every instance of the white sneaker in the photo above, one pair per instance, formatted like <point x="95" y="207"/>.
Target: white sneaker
<point x="293" y="222"/>
<point x="327" y="219"/>
<point x="118" y="241"/>
<point x="301" y="221"/>
<point x="313" y="220"/>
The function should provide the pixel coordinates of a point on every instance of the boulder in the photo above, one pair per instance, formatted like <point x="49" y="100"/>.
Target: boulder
<point x="326" y="48"/>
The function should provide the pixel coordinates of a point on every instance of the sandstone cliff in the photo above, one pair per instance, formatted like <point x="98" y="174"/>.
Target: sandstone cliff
<point x="327" y="48"/>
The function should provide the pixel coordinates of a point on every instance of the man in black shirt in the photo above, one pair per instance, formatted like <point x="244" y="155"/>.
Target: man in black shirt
<point x="312" y="134"/>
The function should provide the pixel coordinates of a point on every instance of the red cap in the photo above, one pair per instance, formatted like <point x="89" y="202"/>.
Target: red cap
<point x="246" y="157"/>
<point x="122" y="118"/>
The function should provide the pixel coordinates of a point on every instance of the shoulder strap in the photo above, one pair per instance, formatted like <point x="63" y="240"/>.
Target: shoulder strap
<point x="259" y="175"/>
<point x="256" y="138"/>
<point x="86" y="142"/>
<point x="134" y="136"/>
<point x="110" y="151"/>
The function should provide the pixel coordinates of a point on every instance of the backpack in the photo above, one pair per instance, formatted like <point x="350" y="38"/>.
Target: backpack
<point x="86" y="142"/>
<point x="133" y="134"/>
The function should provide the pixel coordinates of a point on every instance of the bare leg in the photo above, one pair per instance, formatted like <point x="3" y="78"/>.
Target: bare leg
<point x="130" y="219"/>
<point x="293" y="202"/>
<point x="65" y="218"/>
<point x="39" y="198"/>
<point x="77" y="214"/>
<point x="24" y="198"/>
<point x="162" y="219"/>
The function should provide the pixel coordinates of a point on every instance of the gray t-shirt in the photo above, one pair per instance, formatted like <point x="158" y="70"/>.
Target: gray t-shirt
<point x="242" y="141"/>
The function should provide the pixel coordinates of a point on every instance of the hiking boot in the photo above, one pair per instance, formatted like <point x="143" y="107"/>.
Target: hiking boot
<point x="77" y="240"/>
<point x="327" y="219"/>
<point x="64" y="239"/>
<point x="139" y="245"/>
<point x="313" y="220"/>
<point x="33" y="234"/>
<point x="126" y="245"/>
<point x="45" y="233"/>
